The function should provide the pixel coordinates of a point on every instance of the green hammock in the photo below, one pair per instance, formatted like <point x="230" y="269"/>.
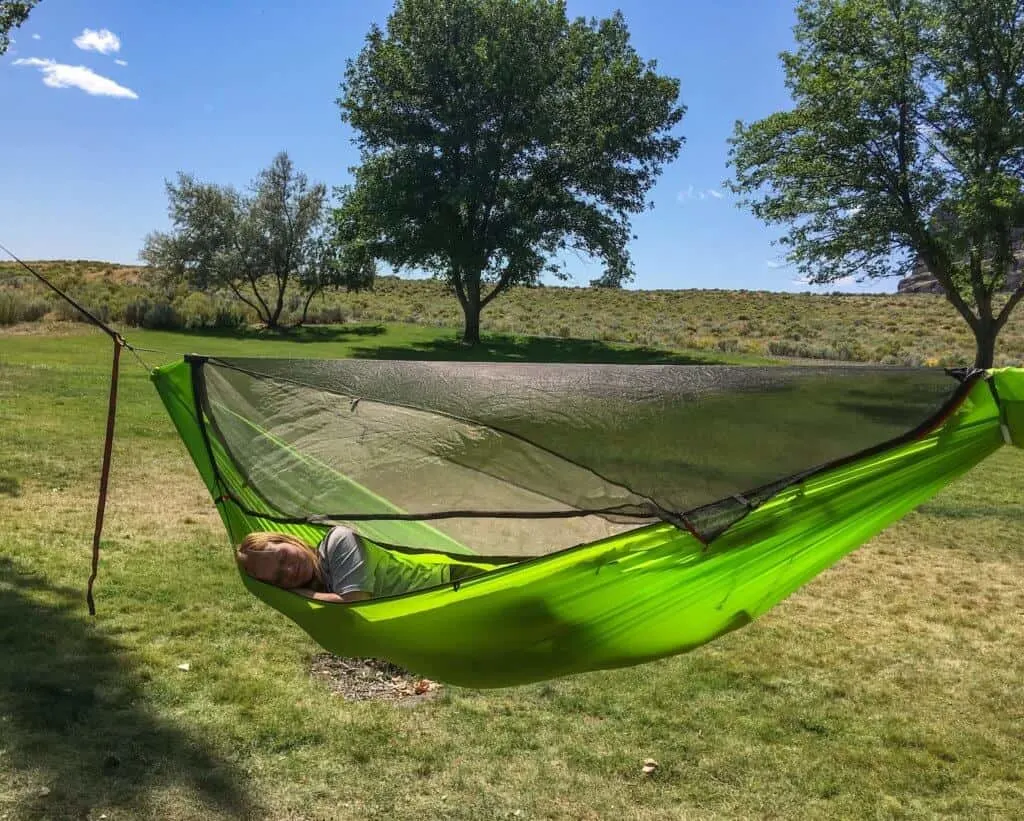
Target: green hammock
<point x="617" y="514"/>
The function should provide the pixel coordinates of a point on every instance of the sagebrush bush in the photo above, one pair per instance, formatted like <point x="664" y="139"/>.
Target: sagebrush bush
<point x="854" y="327"/>
<point x="161" y="316"/>
<point x="229" y="318"/>
<point x="16" y="307"/>
<point x="326" y="315"/>
<point x="65" y="312"/>
<point x="135" y="312"/>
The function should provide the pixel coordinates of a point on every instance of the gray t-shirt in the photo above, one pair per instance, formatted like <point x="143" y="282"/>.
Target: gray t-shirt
<point x="351" y="564"/>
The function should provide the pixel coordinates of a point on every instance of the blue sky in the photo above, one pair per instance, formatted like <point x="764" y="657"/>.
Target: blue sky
<point x="217" y="88"/>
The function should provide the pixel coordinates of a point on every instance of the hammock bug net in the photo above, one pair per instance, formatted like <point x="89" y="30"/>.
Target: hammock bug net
<point x="526" y="459"/>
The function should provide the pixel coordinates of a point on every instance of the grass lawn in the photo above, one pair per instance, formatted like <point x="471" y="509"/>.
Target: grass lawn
<point x="889" y="687"/>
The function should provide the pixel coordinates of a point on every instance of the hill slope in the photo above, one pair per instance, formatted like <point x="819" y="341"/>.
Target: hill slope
<point x="890" y="328"/>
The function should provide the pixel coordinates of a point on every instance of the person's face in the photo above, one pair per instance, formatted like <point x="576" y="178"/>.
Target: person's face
<point x="282" y="564"/>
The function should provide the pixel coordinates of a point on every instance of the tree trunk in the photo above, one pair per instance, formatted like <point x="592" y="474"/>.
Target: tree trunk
<point x="985" y="340"/>
<point x="471" y="308"/>
<point x="471" y="332"/>
<point x="275" y="316"/>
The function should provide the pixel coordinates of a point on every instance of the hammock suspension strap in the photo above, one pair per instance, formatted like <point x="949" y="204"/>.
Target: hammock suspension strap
<point x="108" y="444"/>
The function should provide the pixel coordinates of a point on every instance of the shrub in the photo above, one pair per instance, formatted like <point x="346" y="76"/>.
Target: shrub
<point x="327" y="315"/>
<point x="229" y="318"/>
<point x="161" y="316"/>
<point x="18" y="308"/>
<point x="135" y="312"/>
<point x="65" y="312"/>
<point x="196" y="311"/>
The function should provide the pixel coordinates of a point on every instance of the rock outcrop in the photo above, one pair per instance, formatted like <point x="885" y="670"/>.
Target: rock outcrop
<point x="921" y="282"/>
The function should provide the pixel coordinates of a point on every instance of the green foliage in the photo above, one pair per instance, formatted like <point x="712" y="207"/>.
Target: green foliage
<point x="496" y="135"/>
<point x="261" y="246"/>
<point x="15" y="307"/>
<point x="905" y="144"/>
<point x="12" y="14"/>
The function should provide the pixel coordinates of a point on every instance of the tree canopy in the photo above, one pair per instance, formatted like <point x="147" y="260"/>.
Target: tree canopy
<point x="12" y="14"/>
<point x="496" y="135"/>
<point x="905" y="142"/>
<point x="261" y="246"/>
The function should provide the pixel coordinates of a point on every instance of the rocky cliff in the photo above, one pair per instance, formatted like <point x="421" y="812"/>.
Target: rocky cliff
<point x="921" y="282"/>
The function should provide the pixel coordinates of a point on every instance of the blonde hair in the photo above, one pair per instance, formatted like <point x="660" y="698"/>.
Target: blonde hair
<point x="261" y="539"/>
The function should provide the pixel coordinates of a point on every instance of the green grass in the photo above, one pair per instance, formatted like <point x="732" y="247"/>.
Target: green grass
<point x="912" y="329"/>
<point x="889" y="687"/>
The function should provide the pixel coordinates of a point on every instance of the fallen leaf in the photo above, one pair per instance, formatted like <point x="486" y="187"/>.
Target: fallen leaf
<point x="424" y="685"/>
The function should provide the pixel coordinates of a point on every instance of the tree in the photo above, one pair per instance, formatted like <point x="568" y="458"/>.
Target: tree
<point x="12" y="14"/>
<point x="496" y="134"/>
<point x="257" y="245"/>
<point x="905" y="142"/>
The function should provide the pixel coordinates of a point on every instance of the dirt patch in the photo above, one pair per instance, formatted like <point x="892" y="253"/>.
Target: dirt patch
<point x="362" y="679"/>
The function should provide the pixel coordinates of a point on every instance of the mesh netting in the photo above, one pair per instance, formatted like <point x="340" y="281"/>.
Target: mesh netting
<point x="525" y="459"/>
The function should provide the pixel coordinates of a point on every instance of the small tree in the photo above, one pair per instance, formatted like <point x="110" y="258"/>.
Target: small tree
<point x="259" y="245"/>
<point x="496" y="134"/>
<point x="906" y="143"/>
<point x="12" y="14"/>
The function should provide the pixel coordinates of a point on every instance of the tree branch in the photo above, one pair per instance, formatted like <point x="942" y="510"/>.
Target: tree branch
<point x="251" y="276"/>
<point x="253" y="305"/>
<point x="502" y="284"/>
<point x="460" y="291"/>
<point x="1014" y="299"/>
<point x="305" y="308"/>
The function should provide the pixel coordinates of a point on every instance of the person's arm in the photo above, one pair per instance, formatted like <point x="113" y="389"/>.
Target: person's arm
<point x="354" y="596"/>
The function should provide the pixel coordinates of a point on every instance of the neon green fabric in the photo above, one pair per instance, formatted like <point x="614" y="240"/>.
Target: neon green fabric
<point x="650" y="593"/>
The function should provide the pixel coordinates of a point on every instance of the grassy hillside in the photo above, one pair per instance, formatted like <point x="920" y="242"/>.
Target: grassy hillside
<point x="913" y="329"/>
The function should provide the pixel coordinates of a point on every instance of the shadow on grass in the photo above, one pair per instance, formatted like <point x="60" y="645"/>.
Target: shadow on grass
<point x="75" y="731"/>
<point x="304" y="334"/>
<point x="495" y="348"/>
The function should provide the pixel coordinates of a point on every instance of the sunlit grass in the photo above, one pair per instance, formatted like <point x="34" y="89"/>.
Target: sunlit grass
<point x="888" y="687"/>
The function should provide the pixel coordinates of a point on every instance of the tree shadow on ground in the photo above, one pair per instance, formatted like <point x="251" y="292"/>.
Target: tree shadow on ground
<point x="494" y="348"/>
<point x="75" y="731"/>
<point x="302" y="334"/>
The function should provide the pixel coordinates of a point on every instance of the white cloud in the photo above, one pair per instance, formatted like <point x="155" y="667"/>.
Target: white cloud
<point x="104" y="41"/>
<point x="121" y="62"/>
<point x="60" y="75"/>
<point x="692" y="193"/>
<point x="36" y="37"/>
<point x="773" y="265"/>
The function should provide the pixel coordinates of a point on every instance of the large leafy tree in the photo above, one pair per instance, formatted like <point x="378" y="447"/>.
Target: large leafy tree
<point x="262" y="245"/>
<point x="496" y="135"/>
<point x="12" y="14"/>
<point x="905" y="144"/>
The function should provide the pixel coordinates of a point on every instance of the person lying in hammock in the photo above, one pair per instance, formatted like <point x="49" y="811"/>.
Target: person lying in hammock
<point x="342" y="568"/>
